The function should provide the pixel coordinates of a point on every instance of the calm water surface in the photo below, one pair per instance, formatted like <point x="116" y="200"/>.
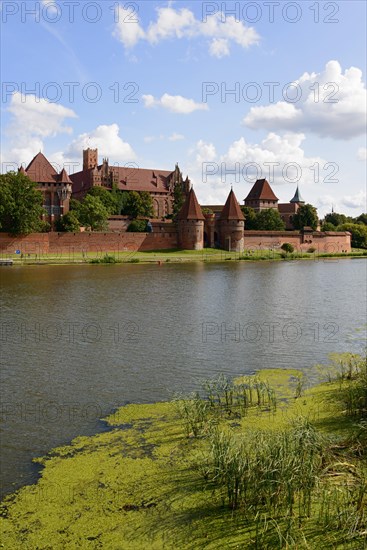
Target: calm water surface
<point x="78" y="341"/>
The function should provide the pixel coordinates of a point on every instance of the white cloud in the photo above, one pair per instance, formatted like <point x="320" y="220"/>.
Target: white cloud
<point x="37" y="116"/>
<point x="359" y="200"/>
<point x="107" y="140"/>
<point x="176" y="137"/>
<point x="33" y="120"/>
<point x="362" y="153"/>
<point x="219" y="47"/>
<point x="278" y="158"/>
<point x="174" y="103"/>
<point x="331" y="104"/>
<point x="182" y="24"/>
<point x="127" y="29"/>
<point x="205" y="152"/>
<point x="172" y="137"/>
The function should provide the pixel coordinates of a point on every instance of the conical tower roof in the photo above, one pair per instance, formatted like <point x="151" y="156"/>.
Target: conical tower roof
<point x="21" y="170"/>
<point x="191" y="208"/>
<point x="63" y="177"/>
<point x="297" y="197"/>
<point x="231" y="210"/>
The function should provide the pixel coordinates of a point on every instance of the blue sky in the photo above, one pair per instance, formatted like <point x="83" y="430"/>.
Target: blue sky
<point x="150" y="83"/>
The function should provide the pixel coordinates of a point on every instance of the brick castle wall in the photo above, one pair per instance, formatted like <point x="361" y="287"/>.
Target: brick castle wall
<point x="162" y="238"/>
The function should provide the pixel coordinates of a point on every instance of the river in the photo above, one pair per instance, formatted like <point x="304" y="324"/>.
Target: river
<point x="79" y="341"/>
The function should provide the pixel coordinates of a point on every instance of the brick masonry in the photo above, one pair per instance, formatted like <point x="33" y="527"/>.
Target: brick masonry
<point x="43" y="244"/>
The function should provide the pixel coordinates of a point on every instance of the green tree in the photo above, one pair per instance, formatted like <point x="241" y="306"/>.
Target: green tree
<point x="92" y="213"/>
<point x="327" y="226"/>
<point x="138" y="204"/>
<point x="20" y="204"/>
<point x="287" y="247"/>
<point x="69" y="222"/>
<point x="109" y="199"/>
<point x="178" y="199"/>
<point x="361" y="219"/>
<point x="335" y="218"/>
<point x="250" y="217"/>
<point x="359" y="233"/>
<point x="305" y="216"/>
<point x="269" y="220"/>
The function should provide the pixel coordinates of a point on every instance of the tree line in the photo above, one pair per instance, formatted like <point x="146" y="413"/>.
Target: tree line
<point x="21" y="212"/>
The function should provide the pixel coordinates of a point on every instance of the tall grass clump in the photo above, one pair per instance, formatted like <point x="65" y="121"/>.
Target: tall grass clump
<point x="221" y="398"/>
<point x="268" y="471"/>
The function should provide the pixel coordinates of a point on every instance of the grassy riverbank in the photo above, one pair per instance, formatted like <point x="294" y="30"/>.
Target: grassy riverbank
<point x="176" y="256"/>
<point x="258" y="463"/>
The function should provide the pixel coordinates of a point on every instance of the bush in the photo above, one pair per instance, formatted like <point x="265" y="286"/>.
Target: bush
<point x="138" y="226"/>
<point x="287" y="247"/>
<point x="311" y="250"/>
<point x="107" y="259"/>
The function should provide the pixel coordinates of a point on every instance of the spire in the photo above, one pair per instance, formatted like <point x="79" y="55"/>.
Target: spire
<point x="297" y="197"/>
<point x="63" y="177"/>
<point x="231" y="210"/>
<point x="191" y="209"/>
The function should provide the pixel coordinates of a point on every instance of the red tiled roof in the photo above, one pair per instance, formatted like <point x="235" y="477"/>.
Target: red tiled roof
<point x="231" y="210"/>
<point x="261" y="190"/>
<point x="143" y="179"/>
<point x="191" y="209"/>
<point x="129" y="179"/>
<point x="287" y="208"/>
<point x="63" y="177"/>
<point x="40" y="170"/>
<point x="22" y="171"/>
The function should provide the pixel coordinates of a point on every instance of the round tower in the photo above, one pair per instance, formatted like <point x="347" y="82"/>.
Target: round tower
<point x="190" y="224"/>
<point x="231" y="225"/>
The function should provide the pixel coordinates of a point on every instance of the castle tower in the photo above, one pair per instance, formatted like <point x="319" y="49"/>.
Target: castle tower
<point x="190" y="224"/>
<point x="261" y="196"/>
<point x="297" y="199"/>
<point x="231" y="225"/>
<point x="90" y="158"/>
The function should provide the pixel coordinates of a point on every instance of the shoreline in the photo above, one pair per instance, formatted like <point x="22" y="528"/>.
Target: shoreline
<point x="138" y="483"/>
<point x="162" y="257"/>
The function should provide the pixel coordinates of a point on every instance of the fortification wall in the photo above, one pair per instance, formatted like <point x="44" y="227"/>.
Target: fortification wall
<point x="323" y="242"/>
<point x="44" y="244"/>
<point x="163" y="237"/>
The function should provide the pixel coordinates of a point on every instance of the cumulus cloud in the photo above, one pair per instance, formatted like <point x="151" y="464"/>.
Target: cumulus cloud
<point x="107" y="140"/>
<point x="38" y="116"/>
<point x="127" y="29"/>
<point x="278" y="158"/>
<point x="174" y="103"/>
<point x="219" y="47"/>
<point x="330" y="104"/>
<point x="33" y="119"/>
<point x="362" y="153"/>
<point x="359" y="200"/>
<point x="181" y="23"/>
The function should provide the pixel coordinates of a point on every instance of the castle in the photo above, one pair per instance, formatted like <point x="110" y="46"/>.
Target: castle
<point x="221" y="226"/>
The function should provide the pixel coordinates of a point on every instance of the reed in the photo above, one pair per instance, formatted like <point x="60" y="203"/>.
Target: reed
<point x="268" y="470"/>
